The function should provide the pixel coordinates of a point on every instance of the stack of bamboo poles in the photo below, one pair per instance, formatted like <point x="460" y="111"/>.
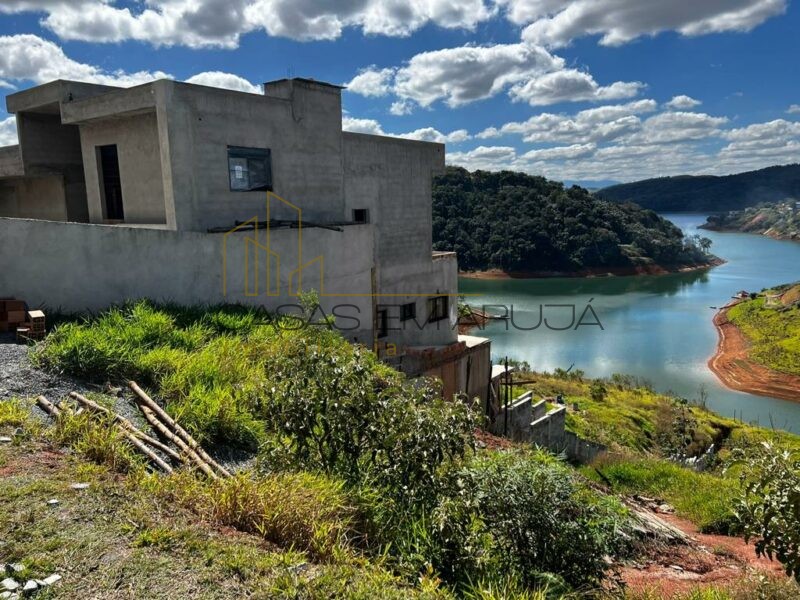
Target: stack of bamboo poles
<point x="187" y="451"/>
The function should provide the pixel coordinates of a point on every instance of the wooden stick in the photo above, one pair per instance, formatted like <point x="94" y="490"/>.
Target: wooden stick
<point x="180" y="431"/>
<point x="126" y="425"/>
<point x="172" y="437"/>
<point x="146" y="451"/>
<point x="48" y="406"/>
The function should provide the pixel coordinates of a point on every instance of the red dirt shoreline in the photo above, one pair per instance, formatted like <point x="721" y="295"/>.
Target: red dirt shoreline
<point x="633" y="270"/>
<point x="732" y="365"/>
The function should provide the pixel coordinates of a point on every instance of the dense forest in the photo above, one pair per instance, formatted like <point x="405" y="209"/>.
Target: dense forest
<point x="709" y="193"/>
<point x="779" y="221"/>
<point x="520" y="223"/>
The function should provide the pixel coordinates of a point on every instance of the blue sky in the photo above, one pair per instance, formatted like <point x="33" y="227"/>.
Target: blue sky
<point x="578" y="90"/>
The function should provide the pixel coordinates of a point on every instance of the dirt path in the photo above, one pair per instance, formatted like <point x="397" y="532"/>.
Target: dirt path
<point x="714" y="560"/>
<point x="732" y="365"/>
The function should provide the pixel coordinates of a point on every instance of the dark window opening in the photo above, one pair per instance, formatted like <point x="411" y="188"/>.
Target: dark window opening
<point x="438" y="308"/>
<point x="383" y="323"/>
<point x="361" y="215"/>
<point x="111" y="183"/>
<point x="249" y="169"/>
<point x="408" y="311"/>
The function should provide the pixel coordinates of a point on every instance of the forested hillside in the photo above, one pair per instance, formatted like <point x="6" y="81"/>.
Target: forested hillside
<point x="518" y="223"/>
<point x="780" y="221"/>
<point x="709" y="193"/>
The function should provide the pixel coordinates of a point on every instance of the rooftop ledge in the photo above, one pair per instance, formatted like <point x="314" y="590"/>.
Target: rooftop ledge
<point x="443" y="255"/>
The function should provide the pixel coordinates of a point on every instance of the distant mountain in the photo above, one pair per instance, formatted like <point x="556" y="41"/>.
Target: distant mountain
<point x="520" y="224"/>
<point x="709" y="193"/>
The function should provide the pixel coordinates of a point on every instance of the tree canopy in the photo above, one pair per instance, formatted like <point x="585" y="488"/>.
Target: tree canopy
<point x="517" y="222"/>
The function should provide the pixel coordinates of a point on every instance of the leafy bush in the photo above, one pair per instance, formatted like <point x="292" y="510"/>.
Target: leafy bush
<point x="335" y="410"/>
<point x="769" y="506"/>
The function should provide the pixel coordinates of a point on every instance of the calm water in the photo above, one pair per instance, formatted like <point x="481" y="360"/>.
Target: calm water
<point x="655" y="327"/>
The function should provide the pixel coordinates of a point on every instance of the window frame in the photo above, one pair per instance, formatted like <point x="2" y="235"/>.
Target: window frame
<point x="382" y="323"/>
<point x="250" y="155"/>
<point x="365" y="212"/>
<point x="412" y="314"/>
<point x="438" y="308"/>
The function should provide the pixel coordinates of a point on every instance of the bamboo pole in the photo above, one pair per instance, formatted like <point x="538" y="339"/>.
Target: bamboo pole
<point x="48" y="406"/>
<point x="51" y="409"/>
<point x="179" y="431"/>
<point x="127" y="425"/>
<point x="172" y="437"/>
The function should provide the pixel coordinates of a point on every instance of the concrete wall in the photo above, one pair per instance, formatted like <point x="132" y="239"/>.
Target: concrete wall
<point x="10" y="161"/>
<point x="47" y="148"/>
<point x="302" y="130"/>
<point x="34" y="198"/>
<point x="136" y="138"/>
<point x="80" y="267"/>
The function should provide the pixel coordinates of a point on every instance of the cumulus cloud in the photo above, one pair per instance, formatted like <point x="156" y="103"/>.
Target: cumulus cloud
<point x="458" y="76"/>
<point x="682" y="103"/>
<point x="227" y="81"/>
<point x="556" y="23"/>
<point x="571" y="85"/>
<point x="484" y="157"/>
<point x="561" y="152"/>
<point x="425" y="134"/>
<point x="401" y="107"/>
<point x="371" y="82"/>
<point x="30" y="58"/>
<point x="221" y="23"/>
<point x="793" y="109"/>
<point x="604" y="123"/>
<point x="671" y="127"/>
<point x="8" y="131"/>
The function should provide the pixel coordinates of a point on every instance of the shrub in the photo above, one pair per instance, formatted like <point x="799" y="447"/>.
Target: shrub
<point x="769" y="506"/>
<point x="335" y="411"/>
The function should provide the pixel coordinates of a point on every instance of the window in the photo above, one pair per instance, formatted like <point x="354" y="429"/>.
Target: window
<point x="408" y="311"/>
<point x="437" y="308"/>
<point x="361" y="215"/>
<point x="110" y="182"/>
<point x="383" y="323"/>
<point x="249" y="169"/>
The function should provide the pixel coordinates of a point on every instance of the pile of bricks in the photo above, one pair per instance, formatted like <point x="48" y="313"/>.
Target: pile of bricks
<point x="16" y="318"/>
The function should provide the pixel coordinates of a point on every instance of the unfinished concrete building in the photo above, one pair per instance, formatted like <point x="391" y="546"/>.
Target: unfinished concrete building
<point x="191" y="194"/>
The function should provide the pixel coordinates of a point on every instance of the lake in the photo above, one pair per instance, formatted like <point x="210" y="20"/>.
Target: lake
<point x="658" y="328"/>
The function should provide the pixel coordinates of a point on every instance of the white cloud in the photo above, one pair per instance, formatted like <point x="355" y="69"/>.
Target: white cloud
<point x="561" y="152"/>
<point x="362" y="126"/>
<point x="28" y="57"/>
<point x="671" y="127"/>
<point x="557" y="22"/>
<point x="484" y="157"/>
<point x="468" y="73"/>
<point x="603" y="123"/>
<point x="401" y="107"/>
<point x="8" y="131"/>
<point x="571" y="85"/>
<point x="682" y="103"/>
<point x="429" y="134"/>
<point x="465" y="74"/>
<point x="371" y="82"/>
<point x="227" y="81"/>
<point x="793" y="109"/>
<point x="779" y="129"/>
<point x="221" y="23"/>
<point x="425" y="134"/>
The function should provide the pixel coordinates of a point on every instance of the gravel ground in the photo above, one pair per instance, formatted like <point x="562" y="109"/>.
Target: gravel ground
<point x="19" y="378"/>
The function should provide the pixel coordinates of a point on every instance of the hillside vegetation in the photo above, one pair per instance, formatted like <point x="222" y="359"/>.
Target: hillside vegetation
<point x="773" y="330"/>
<point x="779" y="221"/>
<point x="709" y="193"/>
<point x="518" y="223"/>
<point x="361" y="475"/>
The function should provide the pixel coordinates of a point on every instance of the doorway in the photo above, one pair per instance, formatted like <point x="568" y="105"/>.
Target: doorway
<point x="110" y="183"/>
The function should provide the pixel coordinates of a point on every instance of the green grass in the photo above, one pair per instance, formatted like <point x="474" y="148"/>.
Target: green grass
<point x="633" y="417"/>
<point x="703" y="498"/>
<point x="774" y="334"/>
<point x="212" y="365"/>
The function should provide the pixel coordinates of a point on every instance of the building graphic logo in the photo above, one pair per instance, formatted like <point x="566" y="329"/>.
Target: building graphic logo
<point x="262" y="274"/>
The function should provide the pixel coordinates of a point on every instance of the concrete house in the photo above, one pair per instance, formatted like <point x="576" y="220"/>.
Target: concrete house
<point x="186" y="193"/>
